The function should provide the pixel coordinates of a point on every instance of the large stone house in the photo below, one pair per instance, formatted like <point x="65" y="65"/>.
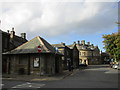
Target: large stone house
<point x="88" y="54"/>
<point x="67" y="55"/>
<point x="9" y="42"/>
<point x="35" y="57"/>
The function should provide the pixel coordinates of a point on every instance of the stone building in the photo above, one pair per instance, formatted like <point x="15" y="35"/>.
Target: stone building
<point x="88" y="53"/>
<point x="75" y="55"/>
<point x="67" y="55"/>
<point x="9" y="42"/>
<point x="35" y="57"/>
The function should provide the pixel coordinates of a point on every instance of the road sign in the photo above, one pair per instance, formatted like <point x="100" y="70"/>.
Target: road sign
<point x="39" y="49"/>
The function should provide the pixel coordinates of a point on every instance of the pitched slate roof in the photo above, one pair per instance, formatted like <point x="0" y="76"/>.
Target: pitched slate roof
<point x="13" y="42"/>
<point x="32" y="47"/>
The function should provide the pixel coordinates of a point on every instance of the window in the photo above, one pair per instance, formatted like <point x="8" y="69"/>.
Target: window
<point x="84" y="53"/>
<point x="79" y="53"/>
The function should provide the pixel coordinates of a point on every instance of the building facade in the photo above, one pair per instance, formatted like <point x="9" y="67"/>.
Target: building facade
<point x="35" y="57"/>
<point x="9" y="42"/>
<point x="67" y="55"/>
<point x="88" y="53"/>
<point x="75" y="55"/>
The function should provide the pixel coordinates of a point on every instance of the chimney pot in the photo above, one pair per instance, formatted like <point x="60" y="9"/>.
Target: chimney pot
<point x="74" y="42"/>
<point x="12" y="34"/>
<point x="8" y="31"/>
<point x="78" y="42"/>
<point x="13" y="29"/>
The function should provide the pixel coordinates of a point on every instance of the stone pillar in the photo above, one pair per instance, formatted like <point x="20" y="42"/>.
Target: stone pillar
<point x="83" y="42"/>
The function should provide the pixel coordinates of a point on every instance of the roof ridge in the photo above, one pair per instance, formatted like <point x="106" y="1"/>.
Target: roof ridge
<point x="42" y="42"/>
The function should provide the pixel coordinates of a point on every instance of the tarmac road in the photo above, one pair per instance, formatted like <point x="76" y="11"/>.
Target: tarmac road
<point x="95" y="76"/>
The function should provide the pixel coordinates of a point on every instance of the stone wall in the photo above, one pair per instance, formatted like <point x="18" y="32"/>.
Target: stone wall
<point x="19" y="64"/>
<point x="26" y="64"/>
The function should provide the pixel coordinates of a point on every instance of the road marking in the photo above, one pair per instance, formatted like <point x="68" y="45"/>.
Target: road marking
<point x="19" y="85"/>
<point x="29" y="85"/>
<point x="112" y="71"/>
<point x="14" y="87"/>
<point x="39" y="79"/>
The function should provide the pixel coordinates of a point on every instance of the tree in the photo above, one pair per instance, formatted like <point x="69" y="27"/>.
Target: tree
<point x="112" y="45"/>
<point x="118" y="23"/>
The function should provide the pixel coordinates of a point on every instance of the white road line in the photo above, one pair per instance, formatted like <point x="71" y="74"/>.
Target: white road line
<point x="19" y="85"/>
<point x="29" y="85"/>
<point x="14" y="87"/>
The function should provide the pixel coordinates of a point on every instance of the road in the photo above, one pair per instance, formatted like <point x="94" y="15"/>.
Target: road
<point x="95" y="76"/>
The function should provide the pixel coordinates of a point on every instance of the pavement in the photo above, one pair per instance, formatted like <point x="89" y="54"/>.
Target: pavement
<point x="60" y="76"/>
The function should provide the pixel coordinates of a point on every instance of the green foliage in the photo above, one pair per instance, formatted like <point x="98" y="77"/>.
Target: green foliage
<point x="112" y="45"/>
<point x="118" y="23"/>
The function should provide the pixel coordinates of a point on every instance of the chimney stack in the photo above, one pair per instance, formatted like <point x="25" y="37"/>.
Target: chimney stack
<point x="78" y="42"/>
<point x="23" y="35"/>
<point x="8" y="31"/>
<point x="88" y="43"/>
<point x="63" y="43"/>
<point x="12" y="34"/>
<point x="83" y="42"/>
<point x="74" y="43"/>
<point x="92" y="46"/>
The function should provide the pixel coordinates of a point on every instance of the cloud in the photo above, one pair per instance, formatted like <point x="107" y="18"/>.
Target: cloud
<point x="58" y="18"/>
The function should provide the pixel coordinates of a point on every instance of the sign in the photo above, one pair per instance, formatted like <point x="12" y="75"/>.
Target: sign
<point x="36" y="62"/>
<point x="39" y="49"/>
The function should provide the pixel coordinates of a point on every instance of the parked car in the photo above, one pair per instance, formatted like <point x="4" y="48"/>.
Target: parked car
<point x="115" y="66"/>
<point x="118" y="66"/>
<point x="83" y="65"/>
